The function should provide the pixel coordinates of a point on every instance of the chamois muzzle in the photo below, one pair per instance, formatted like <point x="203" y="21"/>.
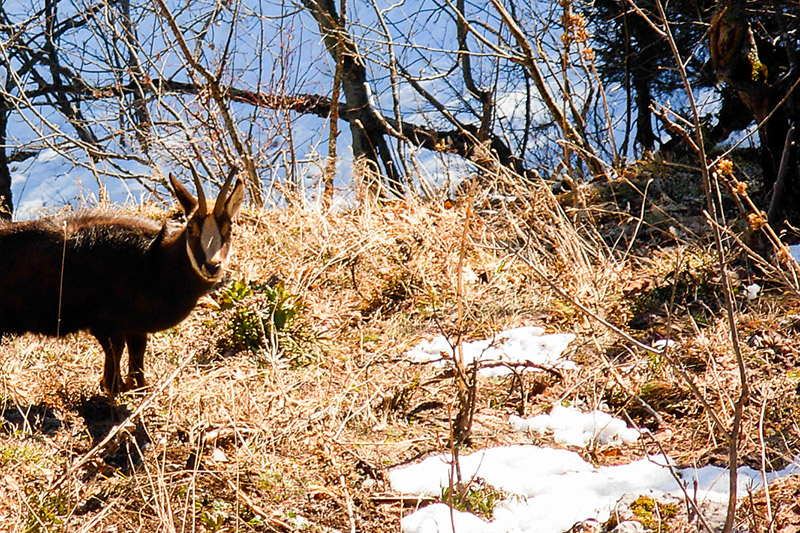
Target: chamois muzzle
<point x="212" y="270"/>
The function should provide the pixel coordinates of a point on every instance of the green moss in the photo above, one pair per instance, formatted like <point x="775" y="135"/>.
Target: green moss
<point x="758" y="71"/>
<point x="19" y="452"/>
<point x="653" y="515"/>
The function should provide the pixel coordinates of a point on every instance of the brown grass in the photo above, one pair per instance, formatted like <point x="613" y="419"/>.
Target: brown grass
<point x="302" y="431"/>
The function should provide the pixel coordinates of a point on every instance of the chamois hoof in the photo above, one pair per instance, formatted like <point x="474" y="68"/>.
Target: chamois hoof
<point x="111" y="390"/>
<point x="134" y="384"/>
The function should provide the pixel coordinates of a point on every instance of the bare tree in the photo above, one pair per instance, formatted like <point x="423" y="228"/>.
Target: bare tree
<point x="368" y="134"/>
<point x="82" y="83"/>
<point x="121" y="81"/>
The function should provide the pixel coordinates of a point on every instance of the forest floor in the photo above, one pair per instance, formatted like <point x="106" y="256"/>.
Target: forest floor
<point x="284" y="400"/>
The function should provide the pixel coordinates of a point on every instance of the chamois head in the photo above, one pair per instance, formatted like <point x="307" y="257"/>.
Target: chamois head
<point x="208" y="228"/>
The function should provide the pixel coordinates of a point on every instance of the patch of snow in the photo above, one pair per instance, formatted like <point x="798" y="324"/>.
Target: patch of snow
<point x="553" y="489"/>
<point x="519" y="346"/>
<point x="571" y="427"/>
<point x="437" y="517"/>
<point x="662" y="344"/>
<point x="751" y="291"/>
<point x="629" y="526"/>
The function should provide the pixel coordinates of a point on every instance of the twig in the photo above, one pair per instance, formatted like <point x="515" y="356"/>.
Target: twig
<point x="257" y="510"/>
<point x="765" y="481"/>
<point x="349" y="502"/>
<point x="780" y="181"/>
<point x="405" y="500"/>
<point x="744" y="396"/>
<point x="466" y="383"/>
<point x="691" y="501"/>
<point x="220" y="99"/>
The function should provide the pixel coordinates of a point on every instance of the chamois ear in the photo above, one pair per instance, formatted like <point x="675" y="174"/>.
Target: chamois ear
<point x="185" y="198"/>
<point x="162" y="234"/>
<point x="234" y="201"/>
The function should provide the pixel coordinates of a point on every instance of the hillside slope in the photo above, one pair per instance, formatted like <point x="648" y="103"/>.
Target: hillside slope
<point x="283" y="402"/>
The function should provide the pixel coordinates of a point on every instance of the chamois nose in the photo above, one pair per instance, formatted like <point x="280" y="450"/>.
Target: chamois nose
<point x="213" y="268"/>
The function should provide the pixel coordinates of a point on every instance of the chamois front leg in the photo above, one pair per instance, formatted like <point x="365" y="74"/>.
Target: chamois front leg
<point x="137" y="343"/>
<point x="113" y="346"/>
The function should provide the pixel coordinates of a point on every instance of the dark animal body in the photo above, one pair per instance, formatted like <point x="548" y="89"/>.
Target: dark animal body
<point x="118" y="278"/>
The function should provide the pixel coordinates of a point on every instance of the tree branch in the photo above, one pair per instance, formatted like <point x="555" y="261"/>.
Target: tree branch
<point x="460" y="140"/>
<point x="218" y="96"/>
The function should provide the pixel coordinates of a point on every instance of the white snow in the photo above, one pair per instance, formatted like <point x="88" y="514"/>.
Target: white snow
<point x="553" y="489"/>
<point x="549" y="490"/>
<point x="572" y="427"/>
<point x="663" y="344"/>
<point x="527" y="344"/>
<point x="751" y="291"/>
<point x="437" y="517"/>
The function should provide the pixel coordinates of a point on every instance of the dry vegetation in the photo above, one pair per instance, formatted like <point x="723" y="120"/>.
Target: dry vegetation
<point x="281" y="403"/>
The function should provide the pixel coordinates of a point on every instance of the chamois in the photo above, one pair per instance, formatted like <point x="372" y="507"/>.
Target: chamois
<point x="118" y="278"/>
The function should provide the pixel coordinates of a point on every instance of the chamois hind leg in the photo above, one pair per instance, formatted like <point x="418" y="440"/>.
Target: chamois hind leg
<point x="113" y="346"/>
<point x="137" y="343"/>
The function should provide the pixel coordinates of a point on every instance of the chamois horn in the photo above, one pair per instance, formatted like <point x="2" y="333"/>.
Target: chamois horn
<point x="201" y="194"/>
<point x="219" y="207"/>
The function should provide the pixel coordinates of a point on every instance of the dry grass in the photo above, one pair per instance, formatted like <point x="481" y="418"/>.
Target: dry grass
<point x="300" y="430"/>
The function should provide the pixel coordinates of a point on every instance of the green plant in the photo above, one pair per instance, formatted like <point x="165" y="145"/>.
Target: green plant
<point x="212" y="521"/>
<point x="213" y="517"/>
<point x="283" y="307"/>
<point x="233" y="294"/>
<point x="45" y="510"/>
<point x="654" y="362"/>
<point x="245" y="330"/>
<point x="262" y="316"/>
<point x="476" y="497"/>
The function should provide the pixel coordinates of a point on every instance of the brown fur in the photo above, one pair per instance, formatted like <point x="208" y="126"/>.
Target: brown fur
<point x="122" y="279"/>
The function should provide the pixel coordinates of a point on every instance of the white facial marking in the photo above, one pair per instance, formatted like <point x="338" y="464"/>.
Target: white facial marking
<point x="210" y="238"/>
<point x="214" y="250"/>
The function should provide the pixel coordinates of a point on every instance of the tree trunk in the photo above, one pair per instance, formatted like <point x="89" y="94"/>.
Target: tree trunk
<point x="644" y="70"/>
<point x="644" y="117"/>
<point x="137" y="77"/>
<point x="369" y="142"/>
<point x="6" y="206"/>
<point x="753" y="67"/>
